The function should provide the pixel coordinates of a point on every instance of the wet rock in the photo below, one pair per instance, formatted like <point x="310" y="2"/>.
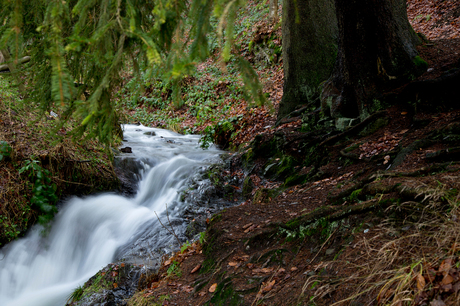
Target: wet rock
<point x="111" y="286"/>
<point x="151" y="133"/>
<point x="126" y="150"/>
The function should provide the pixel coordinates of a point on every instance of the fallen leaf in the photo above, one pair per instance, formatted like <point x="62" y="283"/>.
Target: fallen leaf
<point x="294" y="269"/>
<point x="115" y="285"/>
<point x="420" y="282"/>
<point x="263" y="270"/>
<point x="268" y="286"/>
<point x="213" y="288"/>
<point x="233" y="264"/>
<point x="247" y="225"/>
<point x="195" y="269"/>
<point x="445" y="266"/>
<point x="447" y="280"/>
<point x="387" y="159"/>
<point x="437" y="303"/>
<point x="167" y="262"/>
<point x="202" y="293"/>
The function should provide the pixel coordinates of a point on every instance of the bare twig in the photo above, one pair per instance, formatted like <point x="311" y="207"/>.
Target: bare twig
<point x="172" y="228"/>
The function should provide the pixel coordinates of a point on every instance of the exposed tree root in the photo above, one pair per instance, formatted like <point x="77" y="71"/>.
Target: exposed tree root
<point x="355" y="129"/>
<point x="399" y="159"/>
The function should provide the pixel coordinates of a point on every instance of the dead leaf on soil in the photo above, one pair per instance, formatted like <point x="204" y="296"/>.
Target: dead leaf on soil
<point x="445" y="266"/>
<point x="263" y="270"/>
<point x="247" y="225"/>
<point x="167" y="262"/>
<point x="213" y="287"/>
<point x="202" y="293"/>
<point x="269" y="286"/>
<point x="195" y="269"/>
<point x="115" y="285"/>
<point x="437" y="303"/>
<point x="420" y="282"/>
<point x="233" y="264"/>
<point x="447" y="280"/>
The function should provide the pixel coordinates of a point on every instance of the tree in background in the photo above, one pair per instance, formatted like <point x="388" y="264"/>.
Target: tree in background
<point x="81" y="46"/>
<point x="273" y="12"/>
<point x="376" y="52"/>
<point x="309" y="50"/>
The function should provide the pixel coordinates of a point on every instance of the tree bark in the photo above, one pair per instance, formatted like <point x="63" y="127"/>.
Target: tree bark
<point x="309" y="50"/>
<point x="273" y="13"/>
<point x="376" y="52"/>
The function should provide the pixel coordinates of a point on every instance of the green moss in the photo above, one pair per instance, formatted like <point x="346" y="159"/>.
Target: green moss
<point x="295" y="180"/>
<point x="264" y="195"/>
<point x="293" y="223"/>
<point x="420" y="63"/>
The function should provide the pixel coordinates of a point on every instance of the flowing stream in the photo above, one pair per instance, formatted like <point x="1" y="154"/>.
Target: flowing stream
<point x="90" y="232"/>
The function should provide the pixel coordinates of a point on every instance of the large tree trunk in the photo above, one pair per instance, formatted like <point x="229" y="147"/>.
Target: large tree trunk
<point x="376" y="52"/>
<point x="309" y="49"/>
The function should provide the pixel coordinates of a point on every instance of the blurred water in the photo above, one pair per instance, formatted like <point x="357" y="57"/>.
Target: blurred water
<point x="88" y="233"/>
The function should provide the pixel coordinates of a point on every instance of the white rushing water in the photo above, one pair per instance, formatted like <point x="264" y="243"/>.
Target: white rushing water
<point x="87" y="232"/>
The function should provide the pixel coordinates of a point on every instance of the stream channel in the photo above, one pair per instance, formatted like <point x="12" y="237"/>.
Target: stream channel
<point x="90" y="232"/>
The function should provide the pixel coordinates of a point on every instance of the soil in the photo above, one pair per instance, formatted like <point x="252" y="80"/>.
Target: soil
<point x="375" y="223"/>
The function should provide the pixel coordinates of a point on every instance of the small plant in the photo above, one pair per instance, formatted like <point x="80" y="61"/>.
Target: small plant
<point x="5" y="150"/>
<point x="202" y="237"/>
<point x="44" y="191"/>
<point x="184" y="247"/>
<point x="76" y="295"/>
<point x="174" y="270"/>
<point x="208" y="137"/>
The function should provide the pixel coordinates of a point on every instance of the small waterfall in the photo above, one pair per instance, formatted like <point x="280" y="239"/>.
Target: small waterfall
<point x="88" y="233"/>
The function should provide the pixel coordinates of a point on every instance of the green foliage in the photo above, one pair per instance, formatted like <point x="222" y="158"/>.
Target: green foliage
<point x="174" y="270"/>
<point x="202" y="238"/>
<point x="76" y="295"/>
<point x="184" y="247"/>
<point x="9" y="229"/>
<point x="322" y="228"/>
<point x="43" y="192"/>
<point x="81" y="46"/>
<point x="355" y="194"/>
<point x="5" y="150"/>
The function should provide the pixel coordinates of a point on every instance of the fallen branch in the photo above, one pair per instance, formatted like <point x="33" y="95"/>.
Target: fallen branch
<point x="22" y="60"/>
<point x="355" y="129"/>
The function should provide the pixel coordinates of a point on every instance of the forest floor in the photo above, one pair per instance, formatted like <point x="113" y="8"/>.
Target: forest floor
<point x="373" y="221"/>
